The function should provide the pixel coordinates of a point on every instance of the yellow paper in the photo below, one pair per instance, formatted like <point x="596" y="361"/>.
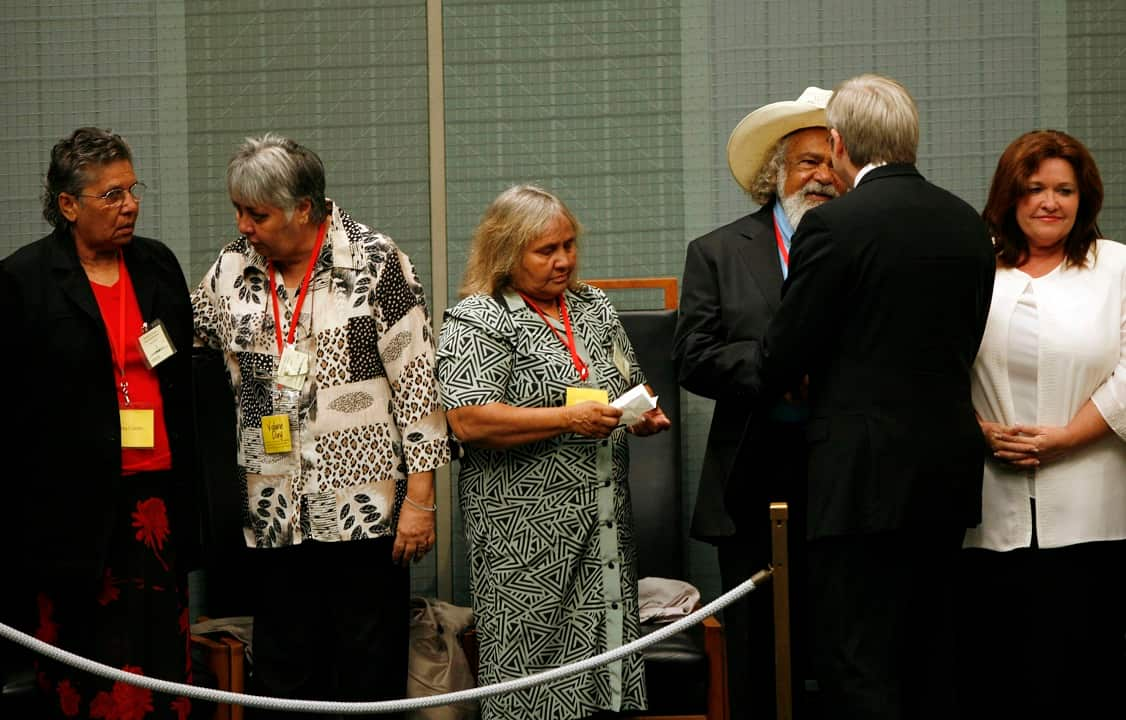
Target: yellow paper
<point x="136" y="428"/>
<point x="275" y="434"/>
<point x="576" y="395"/>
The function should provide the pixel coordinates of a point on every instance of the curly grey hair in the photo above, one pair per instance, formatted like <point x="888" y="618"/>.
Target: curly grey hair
<point x="71" y="160"/>
<point x="764" y="188"/>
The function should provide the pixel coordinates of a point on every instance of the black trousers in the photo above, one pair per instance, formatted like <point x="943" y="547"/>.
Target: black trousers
<point x="883" y="624"/>
<point x="331" y="622"/>
<point x="773" y="469"/>
<point x="1043" y="632"/>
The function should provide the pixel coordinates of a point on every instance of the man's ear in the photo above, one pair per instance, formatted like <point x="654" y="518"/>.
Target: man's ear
<point x="836" y="143"/>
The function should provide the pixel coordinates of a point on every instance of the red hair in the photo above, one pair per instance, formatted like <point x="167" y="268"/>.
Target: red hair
<point x="1019" y="162"/>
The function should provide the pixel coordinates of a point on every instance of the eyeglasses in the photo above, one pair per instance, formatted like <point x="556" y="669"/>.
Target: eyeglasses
<point x="117" y="195"/>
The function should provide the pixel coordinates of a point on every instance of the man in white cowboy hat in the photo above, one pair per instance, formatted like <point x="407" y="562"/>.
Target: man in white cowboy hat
<point x="883" y="311"/>
<point x="732" y="285"/>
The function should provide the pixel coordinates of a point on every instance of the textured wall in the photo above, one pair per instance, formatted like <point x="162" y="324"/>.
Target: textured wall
<point x="623" y="107"/>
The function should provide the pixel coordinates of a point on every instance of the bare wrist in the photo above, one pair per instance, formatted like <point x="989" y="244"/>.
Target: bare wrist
<point x="568" y="420"/>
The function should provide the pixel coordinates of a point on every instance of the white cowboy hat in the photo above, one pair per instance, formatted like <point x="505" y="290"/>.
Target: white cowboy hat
<point x="758" y="132"/>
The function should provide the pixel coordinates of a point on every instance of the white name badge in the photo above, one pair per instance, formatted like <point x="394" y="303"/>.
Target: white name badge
<point x="621" y="361"/>
<point x="293" y="366"/>
<point x="156" y="346"/>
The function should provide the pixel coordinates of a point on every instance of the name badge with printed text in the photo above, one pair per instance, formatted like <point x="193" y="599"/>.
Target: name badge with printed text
<point x="156" y="346"/>
<point x="621" y="361"/>
<point x="293" y="366"/>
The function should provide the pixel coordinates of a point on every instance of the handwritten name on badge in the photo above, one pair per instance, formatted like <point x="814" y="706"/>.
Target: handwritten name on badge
<point x="275" y="434"/>
<point x="137" y="428"/>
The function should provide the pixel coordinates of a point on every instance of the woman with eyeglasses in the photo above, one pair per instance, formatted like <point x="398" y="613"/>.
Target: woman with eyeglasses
<point x="98" y="505"/>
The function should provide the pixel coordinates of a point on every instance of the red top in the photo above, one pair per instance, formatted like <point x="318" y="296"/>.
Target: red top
<point x="144" y="385"/>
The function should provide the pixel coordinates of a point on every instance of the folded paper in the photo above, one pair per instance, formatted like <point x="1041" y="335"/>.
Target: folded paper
<point x="634" y="403"/>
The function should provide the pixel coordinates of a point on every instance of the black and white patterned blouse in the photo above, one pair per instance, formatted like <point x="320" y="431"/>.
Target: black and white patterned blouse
<point x="368" y="413"/>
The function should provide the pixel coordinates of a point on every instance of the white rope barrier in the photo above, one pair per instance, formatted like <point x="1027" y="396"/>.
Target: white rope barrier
<point x="381" y="706"/>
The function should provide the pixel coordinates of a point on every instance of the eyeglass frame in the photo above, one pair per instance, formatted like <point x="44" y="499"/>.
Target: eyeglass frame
<point x="105" y="197"/>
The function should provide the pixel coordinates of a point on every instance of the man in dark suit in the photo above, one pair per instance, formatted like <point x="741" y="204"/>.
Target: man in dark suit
<point x="883" y="310"/>
<point x="732" y="285"/>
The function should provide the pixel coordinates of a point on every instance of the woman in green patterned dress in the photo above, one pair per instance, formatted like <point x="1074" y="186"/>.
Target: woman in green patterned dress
<point x="543" y="482"/>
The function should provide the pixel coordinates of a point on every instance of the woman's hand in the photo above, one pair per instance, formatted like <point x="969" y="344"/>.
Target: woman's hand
<point x="1009" y="446"/>
<point x="651" y="423"/>
<point x="1049" y="442"/>
<point x="591" y="419"/>
<point x="414" y="535"/>
<point x="1033" y="445"/>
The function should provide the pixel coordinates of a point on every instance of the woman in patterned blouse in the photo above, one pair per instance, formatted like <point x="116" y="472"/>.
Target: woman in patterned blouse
<point x="324" y="329"/>
<point x="543" y="481"/>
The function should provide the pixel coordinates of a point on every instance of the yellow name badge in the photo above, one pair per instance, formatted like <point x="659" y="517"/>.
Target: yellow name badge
<point x="576" y="395"/>
<point x="136" y="428"/>
<point x="275" y="434"/>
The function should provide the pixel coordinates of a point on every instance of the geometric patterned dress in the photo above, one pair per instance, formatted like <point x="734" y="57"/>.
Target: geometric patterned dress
<point x="552" y="559"/>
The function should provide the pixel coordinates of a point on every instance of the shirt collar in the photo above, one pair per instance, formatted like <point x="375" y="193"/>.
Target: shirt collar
<point x="783" y="222"/>
<point x="865" y="170"/>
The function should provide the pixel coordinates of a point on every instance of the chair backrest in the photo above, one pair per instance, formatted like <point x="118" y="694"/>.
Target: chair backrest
<point x="655" y="470"/>
<point x="226" y="558"/>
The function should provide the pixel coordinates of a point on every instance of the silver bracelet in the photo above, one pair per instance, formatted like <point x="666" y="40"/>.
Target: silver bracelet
<point x="417" y="506"/>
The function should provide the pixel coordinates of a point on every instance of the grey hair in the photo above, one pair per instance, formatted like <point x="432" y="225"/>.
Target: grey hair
<point x="877" y="119"/>
<point x="764" y="187"/>
<point x="274" y="170"/>
<point x="517" y="216"/>
<point x="71" y="160"/>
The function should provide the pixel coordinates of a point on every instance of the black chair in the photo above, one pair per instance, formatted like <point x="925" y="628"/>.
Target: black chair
<point x="228" y="572"/>
<point x="18" y="695"/>
<point x="226" y="560"/>
<point x="686" y="674"/>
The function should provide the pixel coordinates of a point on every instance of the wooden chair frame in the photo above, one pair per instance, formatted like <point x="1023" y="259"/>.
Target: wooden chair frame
<point x="225" y="658"/>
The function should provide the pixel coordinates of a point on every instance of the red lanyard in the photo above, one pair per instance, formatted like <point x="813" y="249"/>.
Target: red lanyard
<point x="781" y="245"/>
<point x="117" y="350"/>
<point x="580" y="366"/>
<point x="301" y="293"/>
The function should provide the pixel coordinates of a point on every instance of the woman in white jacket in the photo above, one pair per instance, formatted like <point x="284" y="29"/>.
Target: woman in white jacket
<point x="1045" y="603"/>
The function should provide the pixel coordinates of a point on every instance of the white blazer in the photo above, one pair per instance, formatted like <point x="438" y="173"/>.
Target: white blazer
<point x="1082" y="355"/>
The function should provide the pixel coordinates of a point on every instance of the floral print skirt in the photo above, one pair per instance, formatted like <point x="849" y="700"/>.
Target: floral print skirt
<point x="135" y="618"/>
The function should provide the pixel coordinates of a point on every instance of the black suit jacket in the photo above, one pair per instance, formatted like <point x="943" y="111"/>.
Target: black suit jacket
<point x="732" y="286"/>
<point x="884" y="308"/>
<point x="64" y="432"/>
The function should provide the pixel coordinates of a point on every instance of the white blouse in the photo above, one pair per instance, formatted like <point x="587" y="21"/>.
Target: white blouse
<point x="1081" y="353"/>
<point x="1024" y="351"/>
